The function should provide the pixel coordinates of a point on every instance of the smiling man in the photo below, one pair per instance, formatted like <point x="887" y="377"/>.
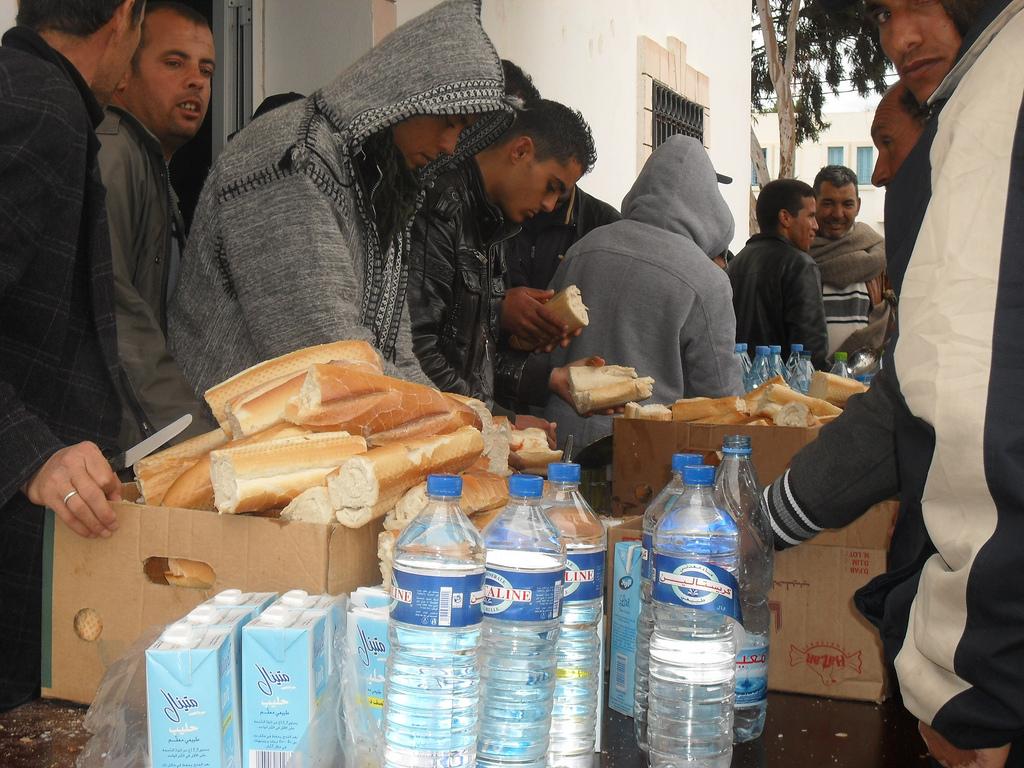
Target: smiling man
<point x="851" y="257"/>
<point x="157" y="107"/>
<point x="462" y="236"/>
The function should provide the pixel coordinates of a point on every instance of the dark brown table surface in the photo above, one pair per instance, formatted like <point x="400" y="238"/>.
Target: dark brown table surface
<point x="800" y="731"/>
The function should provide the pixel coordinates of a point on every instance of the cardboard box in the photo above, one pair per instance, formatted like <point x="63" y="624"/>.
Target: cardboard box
<point x="642" y="454"/>
<point x="819" y="642"/>
<point x="116" y="587"/>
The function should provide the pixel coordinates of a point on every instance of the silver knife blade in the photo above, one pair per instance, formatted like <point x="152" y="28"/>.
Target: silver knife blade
<point x="567" y="450"/>
<point x="151" y="443"/>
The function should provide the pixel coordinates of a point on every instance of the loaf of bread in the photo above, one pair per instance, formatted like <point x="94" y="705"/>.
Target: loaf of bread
<point x="834" y="389"/>
<point x="780" y="394"/>
<point x="733" y="417"/>
<point x="313" y="505"/>
<point x="794" y="415"/>
<point x="155" y="474"/>
<point x="531" y="452"/>
<point x="193" y="574"/>
<point x="653" y="412"/>
<point x="269" y="475"/>
<point x="368" y="486"/>
<point x="495" y="434"/>
<point x="596" y="388"/>
<point x="264" y="406"/>
<point x="567" y="305"/>
<point x="754" y="395"/>
<point x="703" y="408"/>
<point x="481" y="491"/>
<point x="194" y="488"/>
<point x="285" y="366"/>
<point x="375" y="406"/>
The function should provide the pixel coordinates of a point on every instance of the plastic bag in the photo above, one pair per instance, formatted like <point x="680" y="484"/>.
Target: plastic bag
<point x="117" y="717"/>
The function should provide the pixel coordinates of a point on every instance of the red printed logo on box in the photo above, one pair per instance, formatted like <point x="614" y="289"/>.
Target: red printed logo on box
<point x="830" y="661"/>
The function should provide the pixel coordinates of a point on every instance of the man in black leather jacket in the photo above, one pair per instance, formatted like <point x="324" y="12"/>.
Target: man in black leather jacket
<point x="462" y="234"/>
<point x="776" y="285"/>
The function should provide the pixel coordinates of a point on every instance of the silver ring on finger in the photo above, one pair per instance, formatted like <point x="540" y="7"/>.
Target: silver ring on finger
<point x="70" y="493"/>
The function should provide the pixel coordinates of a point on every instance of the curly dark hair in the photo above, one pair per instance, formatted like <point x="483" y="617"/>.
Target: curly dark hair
<point x="388" y="185"/>
<point x="557" y="131"/>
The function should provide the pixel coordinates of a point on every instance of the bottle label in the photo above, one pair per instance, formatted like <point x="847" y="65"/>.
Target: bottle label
<point x="523" y="595"/>
<point x="584" y="577"/>
<point x="751" y="676"/>
<point x="645" y="556"/>
<point x="702" y="586"/>
<point x="429" y="600"/>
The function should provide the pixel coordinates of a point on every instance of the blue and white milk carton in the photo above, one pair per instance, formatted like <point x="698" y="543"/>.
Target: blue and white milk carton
<point x="232" y="619"/>
<point x="625" y="611"/>
<point x="236" y="598"/>
<point x="190" y="699"/>
<point x="367" y="652"/>
<point x="284" y="678"/>
<point x="333" y="608"/>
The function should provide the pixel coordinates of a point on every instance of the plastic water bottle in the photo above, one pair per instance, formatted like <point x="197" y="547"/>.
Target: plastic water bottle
<point x="793" y="364"/>
<point x="839" y="367"/>
<point x="522" y="608"/>
<point x="580" y="666"/>
<point x="645" y="620"/>
<point x="775" y="364"/>
<point x="736" y="490"/>
<point x="693" y="647"/>
<point x="759" y="370"/>
<point x="744" y="360"/>
<point x="806" y="371"/>
<point x="432" y="689"/>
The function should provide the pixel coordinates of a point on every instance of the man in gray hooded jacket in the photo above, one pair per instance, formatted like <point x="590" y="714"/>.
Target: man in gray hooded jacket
<point x="301" y="235"/>
<point x="657" y="301"/>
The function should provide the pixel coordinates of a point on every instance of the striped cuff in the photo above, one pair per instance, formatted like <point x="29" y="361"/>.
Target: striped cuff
<point x="790" y="524"/>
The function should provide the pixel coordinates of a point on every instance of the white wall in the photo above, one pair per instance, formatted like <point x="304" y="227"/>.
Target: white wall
<point x="8" y="10"/>
<point x="848" y="130"/>
<point x="584" y="54"/>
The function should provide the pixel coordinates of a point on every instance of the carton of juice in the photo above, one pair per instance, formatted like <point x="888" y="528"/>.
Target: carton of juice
<point x="190" y="697"/>
<point x="284" y="678"/>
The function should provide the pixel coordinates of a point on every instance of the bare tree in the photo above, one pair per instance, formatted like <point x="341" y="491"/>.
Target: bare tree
<point x="780" y="70"/>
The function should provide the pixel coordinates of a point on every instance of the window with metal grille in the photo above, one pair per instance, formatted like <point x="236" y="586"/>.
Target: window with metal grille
<point x="674" y="114"/>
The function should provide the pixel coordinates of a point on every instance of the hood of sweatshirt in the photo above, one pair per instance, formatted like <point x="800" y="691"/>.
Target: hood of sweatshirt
<point x="677" y="190"/>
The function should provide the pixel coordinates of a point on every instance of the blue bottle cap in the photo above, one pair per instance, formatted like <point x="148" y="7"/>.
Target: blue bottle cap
<point x="699" y="474"/>
<point x="761" y="349"/>
<point x="796" y="347"/>
<point x="529" y="486"/>
<point x="682" y="460"/>
<point x="775" y="348"/>
<point x="444" y="485"/>
<point x="564" y="472"/>
<point x="741" y="347"/>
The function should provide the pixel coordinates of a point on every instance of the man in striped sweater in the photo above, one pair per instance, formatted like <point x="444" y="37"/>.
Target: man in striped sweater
<point x="941" y="425"/>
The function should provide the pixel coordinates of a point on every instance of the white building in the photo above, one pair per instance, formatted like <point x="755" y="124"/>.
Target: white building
<point x="847" y="141"/>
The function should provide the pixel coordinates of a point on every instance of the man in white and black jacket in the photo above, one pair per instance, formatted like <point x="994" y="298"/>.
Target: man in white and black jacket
<point x="941" y="425"/>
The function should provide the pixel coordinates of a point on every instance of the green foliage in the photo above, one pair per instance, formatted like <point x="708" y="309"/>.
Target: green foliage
<point x="837" y="52"/>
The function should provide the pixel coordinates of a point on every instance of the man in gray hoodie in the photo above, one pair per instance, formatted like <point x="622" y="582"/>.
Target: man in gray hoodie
<point x="301" y="235"/>
<point x="657" y="301"/>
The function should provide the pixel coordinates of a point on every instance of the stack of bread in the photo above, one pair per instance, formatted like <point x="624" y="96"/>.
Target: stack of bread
<point x="773" y="403"/>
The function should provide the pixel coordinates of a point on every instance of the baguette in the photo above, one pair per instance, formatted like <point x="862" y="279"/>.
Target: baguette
<point x="269" y="475"/>
<point x="794" y="415"/>
<point x="567" y="305"/>
<point x="374" y="405"/>
<point x="597" y="387"/>
<point x="753" y="395"/>
<point x="313" y="505"/>
<point x="733" y="417"/>
<point x="157" y="473"/>
<point x="364" y="485"/>
<point x="482" y="519"/>
<point x="481" y="491"/>
<point x="653" y="412"/>
<point x="285" y="366"/>
<point x="495" y="437"/>
<point x="262" y="407"/>
<point x="834" y="389"/>
<point x="535" y="461"/>
<point x="194" y="488"/>
<point x="702" y="408"/>
<point x="531" y="438"/>
<point x="193" y="574"/>
<point x="781" y="394"/>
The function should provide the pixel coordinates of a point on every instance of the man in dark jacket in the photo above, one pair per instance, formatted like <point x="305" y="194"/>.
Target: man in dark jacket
<point x="461" y="237"/>
<point x="158" y="107"/>
<point x="940" y="425"/>
<point x="59" y="374"/>
<point x="776" y="285"/>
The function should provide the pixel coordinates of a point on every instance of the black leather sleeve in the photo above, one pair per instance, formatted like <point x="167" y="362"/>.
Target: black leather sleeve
<point x="804" y="311"/>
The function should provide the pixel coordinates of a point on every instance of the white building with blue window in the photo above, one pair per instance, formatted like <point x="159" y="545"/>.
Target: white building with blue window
<point x="847" y="141"/>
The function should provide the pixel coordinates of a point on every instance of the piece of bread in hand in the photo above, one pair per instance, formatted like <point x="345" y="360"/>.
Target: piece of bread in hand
<point x="269" y="475"/>
<point x="368" y="486"/>
<point x="567" y="305"/>
<point x="285" y="366"/>
<point x="194" y="488"/>
<point x="155" y="474"/>
<point x="834" y="389"/>
<point x="653" y="412"/>
<point x="594" y="388"/>
<point x="702" y="408"/>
